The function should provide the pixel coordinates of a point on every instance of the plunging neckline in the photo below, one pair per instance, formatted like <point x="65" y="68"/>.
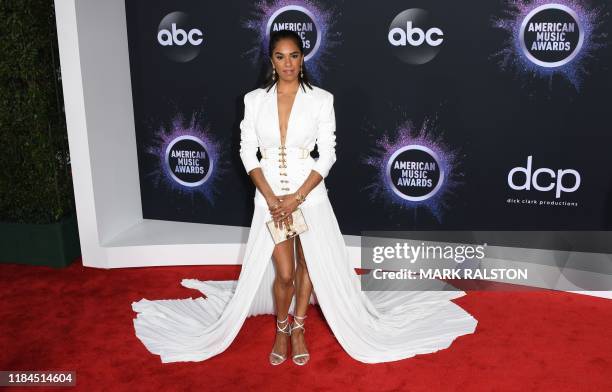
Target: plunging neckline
<point x="280" y="136"/>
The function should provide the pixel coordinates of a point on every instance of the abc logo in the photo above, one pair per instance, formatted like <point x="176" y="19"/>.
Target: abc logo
<point x="411" y="32"/>
<point x="179" y="36"/>
<point x="538" y="179"/>
<point x="414" y="39"/>
<point x="179" y="40"/>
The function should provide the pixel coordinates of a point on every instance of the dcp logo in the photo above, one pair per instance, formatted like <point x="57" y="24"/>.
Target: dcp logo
<point x="414" y="38"/>
<point x="179" y="38"/>
<point x="544" y="179"/>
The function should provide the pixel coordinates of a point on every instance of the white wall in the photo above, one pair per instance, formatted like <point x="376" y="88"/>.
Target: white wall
<point x="94" y="60"/>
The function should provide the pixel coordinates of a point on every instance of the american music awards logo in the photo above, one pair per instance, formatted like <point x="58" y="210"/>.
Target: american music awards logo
<point x="550" y="37"/>
<point x="415" y="168"/>
<point x="310" y="20"/>
<point x="188" y="161"/>
<point x="187" y="158"/>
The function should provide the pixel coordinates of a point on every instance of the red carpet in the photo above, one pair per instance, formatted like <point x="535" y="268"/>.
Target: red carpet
<point x="81" y="319"/>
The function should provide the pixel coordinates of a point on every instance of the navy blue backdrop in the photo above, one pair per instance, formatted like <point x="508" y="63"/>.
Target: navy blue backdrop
<point x="482" y="115"/>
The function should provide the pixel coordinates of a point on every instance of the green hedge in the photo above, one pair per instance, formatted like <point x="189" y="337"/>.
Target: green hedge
<point x="35" y="175"/>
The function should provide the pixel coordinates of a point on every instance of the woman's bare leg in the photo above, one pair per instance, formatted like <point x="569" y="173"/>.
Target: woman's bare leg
<point x="304" y="289"/>
<point x="283" y="292"/>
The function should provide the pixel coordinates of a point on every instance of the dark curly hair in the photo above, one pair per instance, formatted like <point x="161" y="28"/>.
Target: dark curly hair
<point x="274" y="38"/>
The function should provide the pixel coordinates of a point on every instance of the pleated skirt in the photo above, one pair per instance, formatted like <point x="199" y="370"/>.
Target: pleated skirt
<point x="372" y="327"/>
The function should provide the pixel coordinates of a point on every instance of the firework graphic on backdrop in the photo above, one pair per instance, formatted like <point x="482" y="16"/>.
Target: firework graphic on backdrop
<point x="439" y="164"/>
<point x="311" y="19"/>
<point x="187" y="158"/>
<point x="584" y="27"/>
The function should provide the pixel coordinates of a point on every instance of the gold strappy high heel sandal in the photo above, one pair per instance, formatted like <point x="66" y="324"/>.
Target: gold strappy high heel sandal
<point x="299" y="359"/>
<point x="277" y="359"/>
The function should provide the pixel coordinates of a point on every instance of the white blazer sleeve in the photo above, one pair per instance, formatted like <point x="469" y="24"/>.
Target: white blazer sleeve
<point x="326" y="137"/>
<point x="248" y="137"/>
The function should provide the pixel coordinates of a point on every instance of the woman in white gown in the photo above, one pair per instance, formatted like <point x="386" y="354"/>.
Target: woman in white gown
<point x="285" y="120"/>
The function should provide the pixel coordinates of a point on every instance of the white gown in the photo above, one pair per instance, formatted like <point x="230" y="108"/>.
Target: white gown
<point x="381" y="326"/>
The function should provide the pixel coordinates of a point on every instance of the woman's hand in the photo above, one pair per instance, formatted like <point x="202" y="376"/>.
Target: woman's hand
<point x="281" y="210"/>
<point x="274" y="204"/>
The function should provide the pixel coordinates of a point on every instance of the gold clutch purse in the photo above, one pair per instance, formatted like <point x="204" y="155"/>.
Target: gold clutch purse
<point x="283" y="233"/>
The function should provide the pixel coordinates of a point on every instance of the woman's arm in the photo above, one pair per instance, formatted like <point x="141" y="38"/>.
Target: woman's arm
<point x="326" y="145"/>
<point x="248" y="137"/>
<point x="326" y="137"/>
<point x="261" y="183"/>
<point x="248" y="152"/>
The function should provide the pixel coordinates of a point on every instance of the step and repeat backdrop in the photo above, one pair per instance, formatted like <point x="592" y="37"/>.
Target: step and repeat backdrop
<point x="478" y="115"/>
